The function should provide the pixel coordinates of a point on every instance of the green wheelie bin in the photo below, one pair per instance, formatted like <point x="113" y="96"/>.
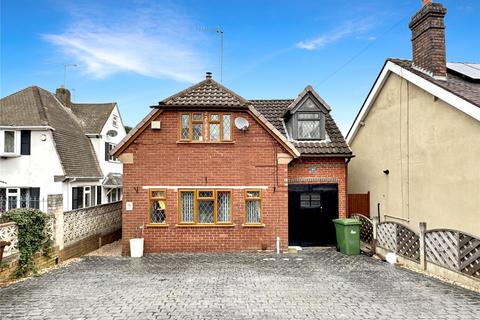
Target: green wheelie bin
<point x="348" y="236"/>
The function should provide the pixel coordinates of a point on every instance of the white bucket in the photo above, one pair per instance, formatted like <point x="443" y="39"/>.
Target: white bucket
<point x="136" y="247"/>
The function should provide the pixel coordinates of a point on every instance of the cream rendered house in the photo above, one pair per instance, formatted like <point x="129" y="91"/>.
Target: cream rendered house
<point x="417" y="135"/>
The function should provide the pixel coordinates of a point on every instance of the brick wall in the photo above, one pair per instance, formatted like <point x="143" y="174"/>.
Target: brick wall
<point x="159" y="160"/>
<point x="321" y="170"/>
<point x="428" y="39"/>
<point x="250" y="161"/>
<point x="10" y="264"/>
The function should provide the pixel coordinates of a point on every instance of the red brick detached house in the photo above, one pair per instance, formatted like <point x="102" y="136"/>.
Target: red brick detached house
<point x="208" y="170"/>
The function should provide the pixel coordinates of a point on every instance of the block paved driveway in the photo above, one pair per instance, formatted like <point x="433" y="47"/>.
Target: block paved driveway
<point x="315" y="284"/>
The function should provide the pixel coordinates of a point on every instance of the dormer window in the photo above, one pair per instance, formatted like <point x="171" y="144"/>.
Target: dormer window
<point x="307" y="120"/>
<point x="308" y="126"/>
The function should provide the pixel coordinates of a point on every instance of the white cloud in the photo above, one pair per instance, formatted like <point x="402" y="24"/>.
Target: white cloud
<point x="347" y="29"/>
<point x="150" y="41"/>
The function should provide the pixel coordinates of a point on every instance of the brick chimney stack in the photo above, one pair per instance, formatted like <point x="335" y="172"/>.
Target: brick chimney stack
<point x="64" y="96"/>
<point x="428" y="39"/>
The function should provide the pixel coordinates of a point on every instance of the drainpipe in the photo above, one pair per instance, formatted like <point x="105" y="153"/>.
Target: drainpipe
<point x="346" y="186"/>
<point x="278" y="245"/>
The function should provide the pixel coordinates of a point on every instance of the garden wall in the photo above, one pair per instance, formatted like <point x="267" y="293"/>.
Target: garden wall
<point x="74" y="233"/>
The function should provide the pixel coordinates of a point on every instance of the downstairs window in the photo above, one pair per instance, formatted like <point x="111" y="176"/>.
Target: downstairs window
<point x="205" y="207"/>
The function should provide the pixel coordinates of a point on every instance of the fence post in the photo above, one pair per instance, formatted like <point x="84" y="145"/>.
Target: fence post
<point x="374" y="236"/>
<point x="55" y="208"/>
<point x="423" y="258"/>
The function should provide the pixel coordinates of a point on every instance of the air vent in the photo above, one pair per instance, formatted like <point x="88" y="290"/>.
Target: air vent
<point x="155" y="125"/>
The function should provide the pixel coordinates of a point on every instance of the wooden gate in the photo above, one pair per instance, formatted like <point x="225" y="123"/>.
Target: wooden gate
<point x="359" y="203"/>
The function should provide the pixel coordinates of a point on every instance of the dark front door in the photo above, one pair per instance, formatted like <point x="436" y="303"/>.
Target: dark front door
<point x="311" y="209"/>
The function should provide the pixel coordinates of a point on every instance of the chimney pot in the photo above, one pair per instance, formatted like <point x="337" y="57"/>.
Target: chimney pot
<point x="208" y="75"/>
<point x="425" y="2"/>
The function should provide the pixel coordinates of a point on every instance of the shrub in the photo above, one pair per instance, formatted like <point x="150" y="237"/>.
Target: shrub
<point x="32" y="236"/>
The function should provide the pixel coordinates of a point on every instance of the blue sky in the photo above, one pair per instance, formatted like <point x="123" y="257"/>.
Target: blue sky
<point x="138" y="52"/>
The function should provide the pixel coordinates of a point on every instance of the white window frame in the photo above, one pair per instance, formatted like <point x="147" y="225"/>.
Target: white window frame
<point x="111" y="158"/>
<point x="87" y="189"/>
<point x="16" y="143"/>
<point x="115" y="121"/>
<point x="8" y="194"/>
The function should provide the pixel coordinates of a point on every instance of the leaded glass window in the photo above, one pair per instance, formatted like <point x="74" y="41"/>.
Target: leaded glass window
<point x="199" y="127"/>
<point x="205" y="206"/>
<point x="253" y="206"/>
<point x="206" y="211"/>
<point x="214" y="131"/>
<point x="205" y="194"/>
<point x="309" y="129"/>
<point x="187" y="199"/>
<point x="185" y="130"/>
<point x="227" y="127"/>
<point x="223" y="206"/>
<point x="197" y="132"/>
<point x="158" y="207"/>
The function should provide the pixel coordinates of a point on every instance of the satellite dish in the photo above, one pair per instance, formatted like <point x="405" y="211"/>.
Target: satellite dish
<point x="112" y="133"/>
<point x="241" y="123"/>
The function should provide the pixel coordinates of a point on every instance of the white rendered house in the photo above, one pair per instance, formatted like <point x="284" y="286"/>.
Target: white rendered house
<point x="49" y="145"/>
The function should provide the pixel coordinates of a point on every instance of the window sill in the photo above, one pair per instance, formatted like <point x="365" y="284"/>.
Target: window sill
<point x="157" y="225"/>
<point x="205" y="142"/>
<point x="253" y="225"/>
<point x="9" y="155"/>
<point x="190" y="225"/>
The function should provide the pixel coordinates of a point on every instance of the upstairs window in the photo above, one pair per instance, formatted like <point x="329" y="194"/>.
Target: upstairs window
<point x="307" y="121"/>
<point x="115" y="121"/>
<point x="308" y="125"/>
<point x="108" y="148"/>
<point x="9" y="142"/>
<point x="205" y="127"/>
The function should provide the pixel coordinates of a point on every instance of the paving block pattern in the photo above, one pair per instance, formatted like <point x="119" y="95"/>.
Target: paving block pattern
<point x="314" y="284"/>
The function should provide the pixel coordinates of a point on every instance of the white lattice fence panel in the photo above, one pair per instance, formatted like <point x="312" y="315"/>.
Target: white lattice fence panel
<point x="386" y="235"/>
<point x="408" y="243"/>
<point x="442" y="248"/>
<point x="80" y="224"/>
<point x="366" y="228"/>
<point x="469" y="255"/>
<point x="9" y="232"/>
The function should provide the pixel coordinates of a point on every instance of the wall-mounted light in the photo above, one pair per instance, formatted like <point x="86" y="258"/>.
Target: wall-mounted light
<point x="386" y="171"/>
<point x="43" y="137"/>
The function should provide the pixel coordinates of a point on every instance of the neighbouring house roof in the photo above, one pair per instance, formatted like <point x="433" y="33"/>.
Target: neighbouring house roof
<point x="209" y="93"/>
<point x="35" y="106"/>
<point x="274" y="110"/>
<point x="462" y="86"/>
<point x="457" y="90"/>
<point x="93" y="116"/>
<point x="113" y="180"/>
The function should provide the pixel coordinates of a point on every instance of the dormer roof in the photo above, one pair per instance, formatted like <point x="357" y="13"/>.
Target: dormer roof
<point x="306" y="92"/>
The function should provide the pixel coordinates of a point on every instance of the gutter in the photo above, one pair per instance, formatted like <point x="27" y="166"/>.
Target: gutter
<point x="33" y="128"/>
